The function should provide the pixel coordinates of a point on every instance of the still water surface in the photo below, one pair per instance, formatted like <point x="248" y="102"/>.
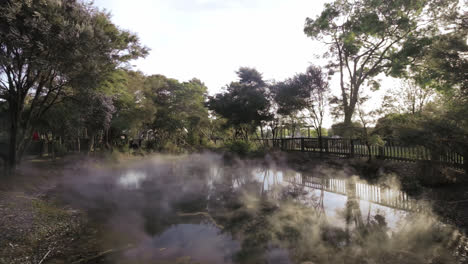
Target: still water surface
<point x="201" y="209"/>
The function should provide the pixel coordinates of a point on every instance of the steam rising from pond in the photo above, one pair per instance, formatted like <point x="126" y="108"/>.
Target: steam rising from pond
<point x="202" y="209"/>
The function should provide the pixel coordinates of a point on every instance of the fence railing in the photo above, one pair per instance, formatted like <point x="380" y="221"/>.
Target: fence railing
<point x="351" y="148"/>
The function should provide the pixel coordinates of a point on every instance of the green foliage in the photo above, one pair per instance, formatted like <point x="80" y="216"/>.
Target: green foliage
<point x="366" y="38"/>
<point x="123" y="148"/>
<point x="300" y="92"/>
<point x="170" y="147"/>
<point x="376" y="140"/>
<point x="244" y="104"/>
<point x="132" y="99"/>
<point x="59" y="149"/>
<point x="391" y="126"/>
<point x="181" y="116"/>
<point x="240" y="147"/>
<point x="51" y="50"/>
<point x="313" y="132"/>
<point x="443" y="129"/>
<point x="437" y="61"/>
<point x="343" y="130"/>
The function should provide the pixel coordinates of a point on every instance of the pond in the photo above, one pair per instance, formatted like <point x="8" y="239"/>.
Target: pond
<point x="202" y="209"/>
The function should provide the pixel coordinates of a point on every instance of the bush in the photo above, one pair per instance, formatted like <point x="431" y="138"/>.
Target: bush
<point x="124" y="148"/>
<point x="170" y="147"/>
<point x="149" y="145"/>
<point x="59" y="149"/>
<point x="239" y="147"/>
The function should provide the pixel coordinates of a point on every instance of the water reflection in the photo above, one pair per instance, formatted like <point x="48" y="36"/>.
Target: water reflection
<point x="197" y="209"/>
<point x="132" y="179"/>
<point x="185" y="243"/>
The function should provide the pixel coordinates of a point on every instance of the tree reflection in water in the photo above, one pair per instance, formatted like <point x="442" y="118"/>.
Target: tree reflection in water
<point x="256" y="214"/>
<point x="266" y="214"/>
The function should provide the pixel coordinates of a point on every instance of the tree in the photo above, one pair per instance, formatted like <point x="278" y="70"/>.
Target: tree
<point x="367" y="119"/>
<point x="289" y="97"/>
<point x="97" y="115"/>
<point x="408" y="98"/>
<point x="366" y="37"/>
<point x="342" y="130"/>
<point x="244" y="104"/>
<point x="441" y="61"/>
<point x="134" y="106"/>
<point x="48" y="49"/>
<point x="305" y="94"/>
<point x="181" y="116"/>
<point x="316" y="80"/>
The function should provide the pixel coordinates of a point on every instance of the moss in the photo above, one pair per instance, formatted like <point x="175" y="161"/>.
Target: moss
<point x="48" y="211"/>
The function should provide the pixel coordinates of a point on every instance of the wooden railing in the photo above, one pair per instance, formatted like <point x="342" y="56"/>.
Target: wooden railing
<point x="351" y="148"/>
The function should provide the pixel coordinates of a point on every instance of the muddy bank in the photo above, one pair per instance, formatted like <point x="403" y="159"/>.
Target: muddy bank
<point x="35" y="225"/>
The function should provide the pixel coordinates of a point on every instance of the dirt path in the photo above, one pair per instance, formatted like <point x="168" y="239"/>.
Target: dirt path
<point x="34" y="226"/>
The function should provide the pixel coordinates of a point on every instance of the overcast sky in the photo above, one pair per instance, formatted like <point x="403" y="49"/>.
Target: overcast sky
<point x="211" y="39"/>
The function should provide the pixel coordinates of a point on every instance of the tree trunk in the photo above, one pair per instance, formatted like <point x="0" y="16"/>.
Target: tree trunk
<point x="90" y="142"/>
<point x="12" y="158"/>
<point x="106" y="139"/>
<point x="78" y="144"/>
<point x="320" y="141"/>
<point x="348" y="115"/>
<point x="465" y="161"/>
<point x="369" y="150"/>
<point x="11" y="163"/>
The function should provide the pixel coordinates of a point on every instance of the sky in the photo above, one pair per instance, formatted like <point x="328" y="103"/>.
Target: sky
<point x="211" y="39"/>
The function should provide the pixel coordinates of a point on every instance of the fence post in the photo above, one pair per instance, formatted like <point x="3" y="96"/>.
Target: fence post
<point x="320" y="144"/>
<point x="465" y="161"/>
<point x="351" y="152"/>
<point x="302" y="144"/>
<point x="282" y="144"/>
<point x="326" y="145"/>
<point x="381" y="153"/>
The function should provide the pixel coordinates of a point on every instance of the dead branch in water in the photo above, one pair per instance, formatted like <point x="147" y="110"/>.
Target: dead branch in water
<point x="205" y="214"/>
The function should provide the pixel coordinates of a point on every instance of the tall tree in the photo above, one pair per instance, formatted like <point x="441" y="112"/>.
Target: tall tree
<point x="439" y="62"/>
<point x="244" y="104"/>
<point x="365" y="36"/>
<point x="408" y="98"/>
<point x="306" y="94"/>
<point x="135" y="108"/>
<point x="180" y="110"/>
<point x="46" y="49"/>
<point x="316" y="81"/>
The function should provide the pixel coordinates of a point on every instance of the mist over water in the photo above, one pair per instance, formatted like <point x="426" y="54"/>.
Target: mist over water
<point x="203" y="209"/>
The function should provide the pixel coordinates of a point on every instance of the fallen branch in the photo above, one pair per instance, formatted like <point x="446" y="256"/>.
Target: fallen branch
<point x="45" y="256"/>
<point x="26" y="197"/>
<point x="102" y="254"/>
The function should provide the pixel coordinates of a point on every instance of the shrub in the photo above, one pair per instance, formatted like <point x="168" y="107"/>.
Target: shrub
<point x="59" y="149"/>
<point x="124" y="148"/>
<point x="239" y="147"/>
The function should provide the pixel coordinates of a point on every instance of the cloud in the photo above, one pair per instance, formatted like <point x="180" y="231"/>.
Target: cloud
<point x="193" y="5"/>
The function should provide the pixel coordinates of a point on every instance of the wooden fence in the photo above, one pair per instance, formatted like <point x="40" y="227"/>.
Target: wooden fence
<point x="352" y="148"/>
